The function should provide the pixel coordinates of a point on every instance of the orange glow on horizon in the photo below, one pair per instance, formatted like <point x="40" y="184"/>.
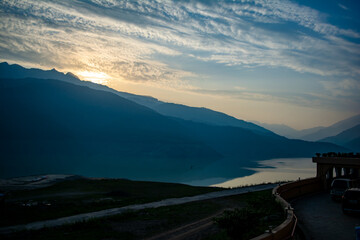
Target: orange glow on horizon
<point x="96" y="77"/>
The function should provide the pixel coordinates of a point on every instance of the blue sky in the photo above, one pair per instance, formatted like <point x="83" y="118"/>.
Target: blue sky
<point x="287" y="62"/>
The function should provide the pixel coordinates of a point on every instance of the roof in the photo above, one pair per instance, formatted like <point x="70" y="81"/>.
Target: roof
<point x="344" y="161"/>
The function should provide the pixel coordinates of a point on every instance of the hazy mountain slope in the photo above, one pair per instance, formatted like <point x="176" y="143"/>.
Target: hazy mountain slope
<point x="354" y="144"/>
<point x="202" y="115"/>
<point x="346" y="137"/>
<point x="53" y="126"/>
<point x="308" y="131"/>
<point x="286" y="131"/>
<point x="333" y="129"/>
<point x="280" y="129"/>
<point x="242" y="144"/>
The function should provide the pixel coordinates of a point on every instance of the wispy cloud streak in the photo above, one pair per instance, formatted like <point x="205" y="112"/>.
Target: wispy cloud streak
<point x="130" y="39"/>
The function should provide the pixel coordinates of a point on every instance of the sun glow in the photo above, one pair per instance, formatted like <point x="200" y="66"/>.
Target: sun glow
<point x="96" y="77"/>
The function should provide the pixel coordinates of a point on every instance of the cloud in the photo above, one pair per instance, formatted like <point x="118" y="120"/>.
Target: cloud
<point x="349" y="99"/>
<point x="146" y="41"/>
<point x="217" y="28"/>
<point x="343" y="88"/>
<point x="343" y="7"/>
<point x="247" y="94"/>
<point x="57" y="37"/>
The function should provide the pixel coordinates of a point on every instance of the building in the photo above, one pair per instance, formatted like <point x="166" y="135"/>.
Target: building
<point x="336" y="165"/>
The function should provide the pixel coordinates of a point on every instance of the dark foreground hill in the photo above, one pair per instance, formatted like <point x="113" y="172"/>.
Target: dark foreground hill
<point x="53" y="126"/>
<point x="50" y="126"/>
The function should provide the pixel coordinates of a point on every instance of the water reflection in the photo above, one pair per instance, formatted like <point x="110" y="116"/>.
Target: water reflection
<point x="273" y="170"/>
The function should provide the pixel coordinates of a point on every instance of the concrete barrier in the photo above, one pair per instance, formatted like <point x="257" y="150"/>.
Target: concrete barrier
<point x="284" y="193"/>
<point x="299" y="188"/>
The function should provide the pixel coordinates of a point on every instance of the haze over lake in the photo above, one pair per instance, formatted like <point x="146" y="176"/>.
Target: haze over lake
<point x="282" y="169"/>
<point x="273" y="170"/>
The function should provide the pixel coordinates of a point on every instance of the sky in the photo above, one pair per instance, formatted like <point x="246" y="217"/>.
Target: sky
<point x="285" y="62"/>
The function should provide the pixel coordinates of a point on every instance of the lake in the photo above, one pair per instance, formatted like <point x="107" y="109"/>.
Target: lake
<point x="273" y="170"/>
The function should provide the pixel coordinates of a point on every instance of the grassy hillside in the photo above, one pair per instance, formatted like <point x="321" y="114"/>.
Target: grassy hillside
<point x="86" y="195"/>
<point x="149" y="222"/>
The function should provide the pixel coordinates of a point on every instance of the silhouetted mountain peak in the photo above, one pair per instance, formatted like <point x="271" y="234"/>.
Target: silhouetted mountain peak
<point x="16" y="71"/>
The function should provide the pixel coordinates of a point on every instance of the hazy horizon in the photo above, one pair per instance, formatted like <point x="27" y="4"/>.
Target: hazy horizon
<point x="273" y="62"/>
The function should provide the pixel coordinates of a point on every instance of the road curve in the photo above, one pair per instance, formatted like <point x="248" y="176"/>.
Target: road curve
<point x="114" y="211"/>
<point x="321" y="218"/>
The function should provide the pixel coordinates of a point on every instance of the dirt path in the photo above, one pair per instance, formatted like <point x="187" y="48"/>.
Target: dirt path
<point x="115" y="211"/>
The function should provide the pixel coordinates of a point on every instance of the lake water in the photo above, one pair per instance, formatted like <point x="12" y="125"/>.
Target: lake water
<point x="282" y="169"/>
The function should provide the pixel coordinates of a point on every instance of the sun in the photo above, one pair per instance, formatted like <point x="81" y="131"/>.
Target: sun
<point x="96" y="77"/>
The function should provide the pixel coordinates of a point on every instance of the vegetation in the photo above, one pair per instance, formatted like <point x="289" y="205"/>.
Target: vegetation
<point x="129" y="225"/>
<point x="86" y="195"/>
<point x="261" y="212"/>
<point x="339" y="154"/>
<point x="141" y="224"/>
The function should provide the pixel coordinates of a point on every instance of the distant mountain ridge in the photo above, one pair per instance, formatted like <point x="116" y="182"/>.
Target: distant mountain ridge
<point x="313" y="134"/>
<point x="17" y="71"/>
<point x="349" y="138"/>
<point x="286" y="131"/>
<point x="195" y="114"/>
<point x="204" y="115"/>
<point x="334" y="129"/>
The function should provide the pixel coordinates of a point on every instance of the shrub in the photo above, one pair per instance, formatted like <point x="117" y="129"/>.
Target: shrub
<point x="261" y="212"/>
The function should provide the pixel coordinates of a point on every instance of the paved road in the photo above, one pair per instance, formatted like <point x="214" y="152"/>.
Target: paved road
<point x="114" y="211"/>
<point x="321" y="218"/>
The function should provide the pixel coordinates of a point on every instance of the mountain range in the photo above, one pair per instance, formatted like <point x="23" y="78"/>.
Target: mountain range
<point x="327" y="134"/>
<point x="349" y="138"/>
<point x="203" y="115"/>
<point x="55" y="123"/>
<point x="286" y="131"/>
<point x="334" y="129"/>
